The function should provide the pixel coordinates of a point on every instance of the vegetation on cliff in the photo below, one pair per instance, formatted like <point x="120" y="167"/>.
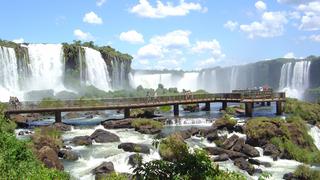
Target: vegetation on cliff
<point x="305" y="172"/>
<point x="307" y="111"/>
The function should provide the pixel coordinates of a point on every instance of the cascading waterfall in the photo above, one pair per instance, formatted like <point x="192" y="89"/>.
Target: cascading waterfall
<point x="96" y="70"/>
<point x="152" y="80"/>
<point x="8" y="73"/>
<point x="294" y="78"/>
<point x="188" y="81"/>
<point x="46" y="66"/>
<point x="233" y="78"/>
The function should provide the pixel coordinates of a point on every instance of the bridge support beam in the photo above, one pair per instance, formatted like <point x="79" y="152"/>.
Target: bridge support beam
<point x="279" y="108"/>
<point x="224" y="105"/>
<point x="248" y="109"/>
<point x="58" y="118"/>
<point x="176" y="110"/>
<point x="268" y="103"/>
<point x="207" y="106"/>
<point x="263" y="103"/>
<point x="126" y="112"/>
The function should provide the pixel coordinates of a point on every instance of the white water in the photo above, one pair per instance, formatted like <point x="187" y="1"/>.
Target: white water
<point x="47" y="67"/>
<point x="295" y="77"/>
<point x="152" y="80"/>
<point x="96" y="70"/>
<point x="8" y="73"/>
<point x="315" y="134"/>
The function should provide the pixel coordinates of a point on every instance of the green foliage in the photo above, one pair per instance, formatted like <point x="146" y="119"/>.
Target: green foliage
<point x="17" y="161"/>
<point x="47" y="136"/>
<point x="165" y="108"/>
<point x="308" y="111"/>
<point x="173" y="148"/>
<point x="265" y="176"/>
<point x="262" y="127"/>
<point x="231" y="110"/>
<point x="114" y="176"/>
<point x="137" y="123"/>
<point x="305" y="172"/>
<point x="50" y="102"/>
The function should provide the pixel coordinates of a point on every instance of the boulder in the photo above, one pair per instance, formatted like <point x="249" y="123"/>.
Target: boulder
<point x="72" y="115"/>
<point x="191" y="107"/>
<point x="82" y="140"/>
<point x="221" y="157"/>
<point x="250" y="151"/>
<point x="238" y="145"/>
<point x="228" y="143"/>
<point x="186" y="134"/>
<point x="288" y="176"/>
<point x="271" y="150"/>
<point x="148" y="129"/>
<point x="132" y="147"/>
<point x="205" y="131"/>
<point x="257" y="162"/>
<point x="239" y="129"/>
<point x="219" y="151"/>
<point x="49" y="158"/>
<point x="212" y="136"/>
<point x="241" y="163"/>
<point x="68" y="155"/>
<point x="61" y="126"/>
<point x="24" y="132"/>
<point x="102" y="136"/>
<point x="134" y="159"/>
<point x="117" y="124"/>
<point x="103" y="169"/>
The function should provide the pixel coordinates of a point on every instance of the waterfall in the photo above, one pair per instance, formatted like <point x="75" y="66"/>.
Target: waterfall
<point x="152" y="80"/>
<point x="8" y="73"/>
<point x="82" y="68"/>
<point x="46" y="66"/>
<point x="233" y="78"/>
<point x="294" y="78"/>
<point x="119" y="80"/>
<point x="188" y="81"/>
<point x="96" y="70"/>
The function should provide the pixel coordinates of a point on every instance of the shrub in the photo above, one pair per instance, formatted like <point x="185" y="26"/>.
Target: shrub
<point x="173" y="148"/>
<point x="49" y="102"/>
<point x="47" y="136"/>
<point x="231" y="110"/>
<point x="304" y="172"/>
<point x="137" y="123"/>
<point x="165" y="108"/>
<point x="114" y="176"/>
<point x="307" y="111"/>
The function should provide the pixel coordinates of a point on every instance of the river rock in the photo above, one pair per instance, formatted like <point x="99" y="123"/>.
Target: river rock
<point x="102" y="136"/>
<point x="257" y="162"/>
<point x="239" y="129"/>
<point x="228" y="143"/>
<point x="103" y="169"/>
<point x="68" y="155"/>
<point x="134" y="159"/>
<point x="219" y="151"/>
<point x="148" y="129"/>
<point x="50" y="158"/>
<point x="223" y="123"/>
<point x="117" y="124"/>
<point x="241" y="163"/>
<point x="250" y="151"/>
<point x="82" y="140"/>
<point x="288" y="176"/>
<point x="72" y="115"/>
<point x="271" y="150"/>
<point x="132" y="147"/>
<point x="61" y="126"/>
<point x="212" y="136"/>
<point x="221" y="157"/>
<point x="238" y="145"/>
<point x="205" y="131"/>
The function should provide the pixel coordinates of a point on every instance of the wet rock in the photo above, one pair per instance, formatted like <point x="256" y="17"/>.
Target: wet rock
<point x="250" y="151"/>
<point x="50" y="158"/>
<point x="132" y="147"/>
<point x="228" y="143"/>
<point x="23" y="121"/>
<point x="257" y="171"/>
<point x="241" y="163"/>
<point x="134" y="159"/>
<point x="191" y="107"/>
<point x="212" y="136"/>
<point x="148" y="129"/>
<point x="103" y="169"/>
<point x="82" y="140"/>
<point x="72" y="115"/>
<point x="271" y="150"/>
<point x="219" y="151"/>
<point x="288" y="176"/>
<point x="102" y="136"/>
<point x="221" y="157"/>
<point x="257" y="162"/>
<point x="24" y="132"/>
<point x="239" y="129"/>
<point x="62" y="127"/>
<point x="238" y="145"/>
<point x="225" y="123"/>
<point x="68" y="155"/>
<point x="117" y="124"/>
<point x="205" y="131"/>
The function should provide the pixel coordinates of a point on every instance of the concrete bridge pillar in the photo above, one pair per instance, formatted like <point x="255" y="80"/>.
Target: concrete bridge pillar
<point x="268" y="103"/>
<point x="279" y="108"/>
<point x="207" y="106"/>
<point x="176" y="109"/>
<point x="248" y="109"/>
<point x="224" y="105"/>
<point x="58" y="118"/>
<point x="126" y="112"/>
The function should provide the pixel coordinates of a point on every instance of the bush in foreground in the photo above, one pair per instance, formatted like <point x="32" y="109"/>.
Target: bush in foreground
<point x="137" y="123"/>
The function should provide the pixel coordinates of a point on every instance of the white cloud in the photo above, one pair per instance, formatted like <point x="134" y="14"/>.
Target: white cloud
<point x="271" y="25"/>
<point x="145" y="9"/>
<point x="315" y="37"/>
<point x="310" y="20"/>
<point x="260" y="5"/>
<point x="174" y="39"/>
<point x="289" y="55"/>
<point x="213" y="47"/>
<point x="82" y="35"/>
<point x="150" y="51"/>
<point x="100" y="2"/>
<point x="20" y="40"/>
<point x="207" y="63"/>
<point x="132" y="36"/>
<point x="231" y="25"/>
<point x="92" y="18"/>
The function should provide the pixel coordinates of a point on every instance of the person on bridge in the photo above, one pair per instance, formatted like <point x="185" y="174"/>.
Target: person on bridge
<point x="156" y="96"/>
<point x="14" y="102"/>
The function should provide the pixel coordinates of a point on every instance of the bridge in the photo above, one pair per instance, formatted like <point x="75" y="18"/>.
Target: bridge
<point x="249" y="98"/>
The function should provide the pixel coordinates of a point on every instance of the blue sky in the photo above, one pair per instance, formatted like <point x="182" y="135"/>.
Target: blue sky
<point x="176" y="34"/>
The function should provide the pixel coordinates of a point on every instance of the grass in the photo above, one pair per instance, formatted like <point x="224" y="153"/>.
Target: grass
<point x="310" y="112"/>
<point x="305" y="172"/>
<point x="137" y="123"/>
<point x="165" y="108"/>
<point x="173" y="148"/>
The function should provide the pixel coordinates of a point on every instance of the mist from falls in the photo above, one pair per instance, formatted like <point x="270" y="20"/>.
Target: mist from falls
<point x="295" y="78"/>
<point x="96" y="70"/>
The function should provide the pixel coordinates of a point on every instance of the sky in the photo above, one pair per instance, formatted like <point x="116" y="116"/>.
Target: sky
<point x="176" y="34"/>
